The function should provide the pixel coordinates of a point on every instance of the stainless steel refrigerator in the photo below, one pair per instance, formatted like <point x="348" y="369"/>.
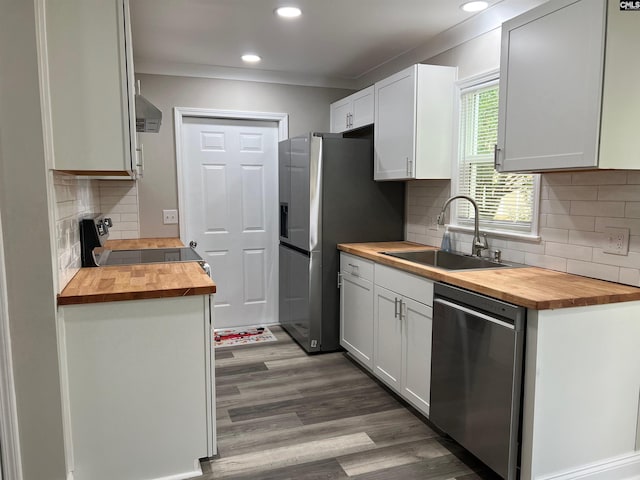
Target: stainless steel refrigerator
<point x="327" y="196"/>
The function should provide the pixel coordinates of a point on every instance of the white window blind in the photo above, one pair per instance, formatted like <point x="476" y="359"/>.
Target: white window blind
<point x="506" y="201"/>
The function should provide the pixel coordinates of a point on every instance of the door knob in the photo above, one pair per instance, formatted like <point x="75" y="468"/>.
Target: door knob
<point x="193" y="244"/>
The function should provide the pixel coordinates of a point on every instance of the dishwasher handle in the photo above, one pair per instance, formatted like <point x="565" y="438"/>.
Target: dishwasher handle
<point x="475" y="313"/>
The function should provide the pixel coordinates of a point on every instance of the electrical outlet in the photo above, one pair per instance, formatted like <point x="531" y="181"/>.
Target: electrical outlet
<point x="169" y="217"/>
<point x="616" y="241"/>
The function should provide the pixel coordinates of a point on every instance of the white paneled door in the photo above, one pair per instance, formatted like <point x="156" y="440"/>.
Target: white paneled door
<point x="230" y="209"/>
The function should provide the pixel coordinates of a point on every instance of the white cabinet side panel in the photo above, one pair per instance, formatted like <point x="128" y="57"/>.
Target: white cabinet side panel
<point x="137" y="379"/>
<point x="587" y="381"/>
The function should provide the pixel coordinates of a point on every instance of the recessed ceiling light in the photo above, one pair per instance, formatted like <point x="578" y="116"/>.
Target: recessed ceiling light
<point x="474" y="6"/>
<point x="288" y="12"/>
<point x="250" y="58"/>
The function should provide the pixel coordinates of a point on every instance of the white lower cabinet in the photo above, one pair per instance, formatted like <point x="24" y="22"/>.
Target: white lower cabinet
<point x="416" y="354"/>
<point x="138" y="388"/>
<point x="356" y="308"/>
<point x="402" y="345"/>
<point x="385" y="324"/>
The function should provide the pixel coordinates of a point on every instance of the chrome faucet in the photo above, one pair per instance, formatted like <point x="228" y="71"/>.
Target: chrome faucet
<point x="478" y="245"/>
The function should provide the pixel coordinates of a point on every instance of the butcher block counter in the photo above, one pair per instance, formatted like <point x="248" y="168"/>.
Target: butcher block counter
<point x="530" y="287"/>
<point x="137" y="282"/>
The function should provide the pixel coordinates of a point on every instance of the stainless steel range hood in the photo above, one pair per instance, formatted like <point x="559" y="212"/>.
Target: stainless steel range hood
<point x="148" y="116"/>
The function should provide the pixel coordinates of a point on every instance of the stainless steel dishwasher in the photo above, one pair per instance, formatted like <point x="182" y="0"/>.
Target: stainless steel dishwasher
<point x="476" y="374"/>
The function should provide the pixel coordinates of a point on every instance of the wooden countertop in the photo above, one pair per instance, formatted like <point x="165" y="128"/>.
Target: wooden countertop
<point x="136" y="282"/>
<point x="530" y="287"/>
<point x="141" y="243"/>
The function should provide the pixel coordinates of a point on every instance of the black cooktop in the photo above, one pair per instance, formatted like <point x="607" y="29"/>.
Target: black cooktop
<point x="150" y="255"/>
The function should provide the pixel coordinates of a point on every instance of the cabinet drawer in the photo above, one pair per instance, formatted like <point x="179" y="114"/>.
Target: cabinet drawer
<point x="407" y="284"/>
<point x="356" y="266"/>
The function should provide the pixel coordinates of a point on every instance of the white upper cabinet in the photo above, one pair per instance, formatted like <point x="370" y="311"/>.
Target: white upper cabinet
<point x="568" y="96"/>
<point x="352" y="112"/>
<point x="413" y="128"/>
<point x="90" y="80"/>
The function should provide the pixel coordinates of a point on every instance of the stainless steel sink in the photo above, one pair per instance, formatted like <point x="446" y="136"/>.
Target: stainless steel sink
<point x="447" y="260"/>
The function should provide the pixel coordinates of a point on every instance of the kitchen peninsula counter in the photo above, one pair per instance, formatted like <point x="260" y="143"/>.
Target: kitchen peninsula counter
<point x="530" y="287"/>
<point x="137" y="282"/>
<point x="135" y="346"/>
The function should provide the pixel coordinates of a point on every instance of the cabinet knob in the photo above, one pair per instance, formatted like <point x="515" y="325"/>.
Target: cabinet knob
<point x="193" y="244"/>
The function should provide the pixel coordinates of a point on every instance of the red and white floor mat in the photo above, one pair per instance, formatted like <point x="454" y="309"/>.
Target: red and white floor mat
<point x="227" y="337"/>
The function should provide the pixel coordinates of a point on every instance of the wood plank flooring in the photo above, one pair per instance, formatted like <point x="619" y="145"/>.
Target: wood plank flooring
<point x="283" y="414"/>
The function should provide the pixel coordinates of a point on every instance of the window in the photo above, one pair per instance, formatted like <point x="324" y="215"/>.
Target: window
<point x="506" y="201"/>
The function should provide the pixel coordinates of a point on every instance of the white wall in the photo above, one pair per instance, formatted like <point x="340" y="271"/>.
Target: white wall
<point x="307" y="107"/>
<point x="26" y="238"/>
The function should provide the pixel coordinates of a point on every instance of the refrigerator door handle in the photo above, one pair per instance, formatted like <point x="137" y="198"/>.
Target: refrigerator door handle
<point x="284" y="220"/>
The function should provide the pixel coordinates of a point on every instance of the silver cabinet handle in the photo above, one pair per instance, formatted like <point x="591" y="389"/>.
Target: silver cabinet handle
<point x="346" y="121"/>
<point x="355" y="269"/>
<point x="140" y="160"/>
<point x="408" y="166"/>
<point x="496" y="157"/>
<point x="339" y="280"/>
<point x="395" y="308"/>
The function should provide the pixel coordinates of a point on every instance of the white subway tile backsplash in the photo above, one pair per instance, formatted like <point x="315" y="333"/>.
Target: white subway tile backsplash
<point x="587" y="239"/>
<point x="624" y="193"/>
<point x="594" y="270"/>
<point x="559" y="235"/>
<point x="611" y="177"/>
<point x="574" y="210"/>
<point x="555" y="206"/>
<point x="76" y="197"/>
<point x="557" y="179"/>
<point x="633" y="177"/>
<point x="632" y="210"/>
<point x="546" y="261"/>
<point x="571" y="222"/>
<point x="599" y="209"/>
<point x="632" y="260"/>
<point x="631" y="223"/>
<point x="568" y="251"/>
<point x="630" y="276"/>
<point x="565" y="192"/>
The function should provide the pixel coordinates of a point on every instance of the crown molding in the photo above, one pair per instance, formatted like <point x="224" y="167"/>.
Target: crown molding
<point x="244" y="74"/>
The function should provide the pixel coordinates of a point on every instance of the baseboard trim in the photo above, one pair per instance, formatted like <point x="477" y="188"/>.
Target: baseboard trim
<point x="181" y="476"/>
<point x="625" y="467"/>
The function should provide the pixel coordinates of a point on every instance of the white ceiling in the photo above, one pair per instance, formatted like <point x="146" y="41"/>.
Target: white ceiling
<point x="334" y="42"/>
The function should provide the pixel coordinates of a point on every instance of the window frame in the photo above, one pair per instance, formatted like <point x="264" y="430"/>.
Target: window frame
<point x="483" y="80"/>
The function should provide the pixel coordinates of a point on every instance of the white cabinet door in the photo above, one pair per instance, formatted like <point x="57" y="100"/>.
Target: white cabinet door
<point x="352" y="112"/>
<point x="356" y="317"/>
<point x="414" y="115"/>
<point x="90" y="75"/>
<point x="362" y="108"/>
<point x="551" y="86"/>
<point x="416" y="350"/>
<point x="387" y="355"/>
<point x="394" y="126"/>
<point x="339" y="113"/>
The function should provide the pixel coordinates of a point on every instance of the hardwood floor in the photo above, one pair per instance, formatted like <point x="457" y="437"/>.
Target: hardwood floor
<point x="283" y="414"/>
